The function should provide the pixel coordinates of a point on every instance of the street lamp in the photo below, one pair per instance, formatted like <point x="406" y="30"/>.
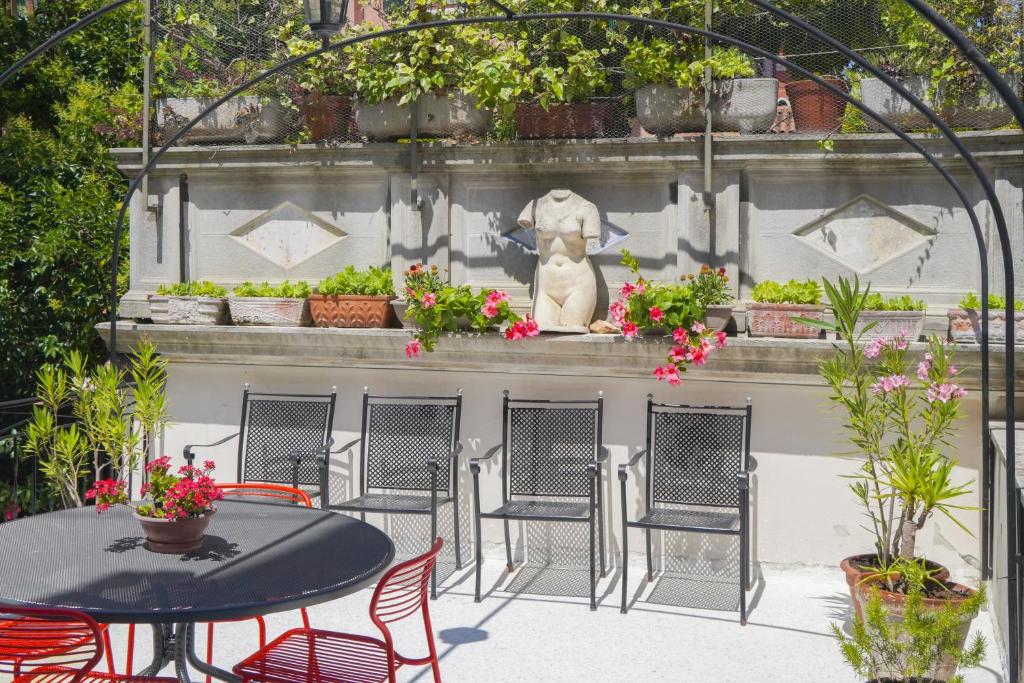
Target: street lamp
<point x="326" y="17"/>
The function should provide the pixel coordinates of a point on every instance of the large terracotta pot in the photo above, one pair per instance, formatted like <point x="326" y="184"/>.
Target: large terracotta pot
<point x="774" y="320"/>
<point x="326" y="117"/>
<point x="563" y="120"/>
<point x="815" y="108"/>
<point x="346" y="310"/>
<point x="854" y="569"/>
<point x="174" y="535"/>
<point x="965" y="326"/>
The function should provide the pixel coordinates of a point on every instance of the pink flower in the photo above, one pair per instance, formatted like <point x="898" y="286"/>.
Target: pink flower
<point x="532" y="328"/>
<point x="160" y="463"/>
<point x="659" y="373"/>
<point x="656" y="314"/>
<point x="627" y="289"/>
<point x="679" y="354"/>
<point x="497" y="296"/>
<point x="874" y="347"/>
<point x="629" y="329"/>
<point x="490" y="309"/>
<point x="901" y="341"/>
<point x="209" y="465"/>
<point x="945" y="392"/>
<point x="668" y="373"/>
<point x="515" y="331"/>
<point x="699" y="355"/>
<point x="640" y="288"/>
<point x="412" y="349"/>
<point x="680" y="336"/>
<point x="923" y="368"/>
<point x="617" y="311"/>
<point x="720" y="338"/>
<point x="409" y="294"/>
<point x="953" y="371"/>
<point x="429" y="300"/>
<point x="698" y="327"/>
<point x="890" y="383"/>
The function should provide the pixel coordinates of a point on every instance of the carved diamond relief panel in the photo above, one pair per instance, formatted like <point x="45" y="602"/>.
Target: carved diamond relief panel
<point x="865" y="234"/>
<point x="288" y="235"/>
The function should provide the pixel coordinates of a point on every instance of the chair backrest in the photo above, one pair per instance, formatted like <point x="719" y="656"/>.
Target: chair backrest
<point x="265" y="493"/>
<point x="401" y="434"/>
<point x="695" y="452"/>
<point x="402" y="591"/>
<point x="548" y="444"/>
<point x="274" y="426"/>
<point x="39" y="639"/>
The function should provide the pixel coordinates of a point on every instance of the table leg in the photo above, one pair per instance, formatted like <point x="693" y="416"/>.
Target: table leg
<point x="187" y="654"/>
<point x="163" y="649"/>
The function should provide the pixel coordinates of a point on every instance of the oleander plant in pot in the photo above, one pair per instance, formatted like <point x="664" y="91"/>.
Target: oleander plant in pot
<point x="652" y="308"/>
<point x="176" y="508"/>
<point x="282" y="305"/>
<point x="189" y="303"/>
<point x="354" y="298"/>
<point x="965" y="320"/>
<point x="437" y="308"/>
<point x="776" y="307"/>
<point x="897" y="315"/>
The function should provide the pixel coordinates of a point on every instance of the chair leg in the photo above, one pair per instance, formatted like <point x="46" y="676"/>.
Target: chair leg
<point x="479" y="543"/>
<point x="744" y="577"/>
<point x="108" y="652"/>
<point x="209" y="649"/>
<point x="600" y="526"/>
<point x="508" y="547"/>
<point x="458" y="542"/>
<point x="433" y="535"/>
<point x="650" y="557"/>
<point x="129" y="660"/>
<point x="625" y="557"/>
<point x="305" y="618"/>
<point x="593" y="569"/>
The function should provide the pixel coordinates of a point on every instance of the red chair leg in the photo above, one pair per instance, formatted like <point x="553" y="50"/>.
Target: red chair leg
<point x="131" y="650"/>
<point x="305" y="617"/>
<point x="108" y="651"/>
<point x="263" y="631"/>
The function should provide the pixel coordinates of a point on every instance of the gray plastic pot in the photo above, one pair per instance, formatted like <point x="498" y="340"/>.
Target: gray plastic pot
<point x="240" y="119"/>
<point x="442" y="115"/>
<point x="746" y="105"/>
<point x="982" y="109"/>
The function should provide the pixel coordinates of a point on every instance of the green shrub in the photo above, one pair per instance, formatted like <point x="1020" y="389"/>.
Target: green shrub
<point x="202" y="288"/>
<point x="875" y="302"/>
<point x="372" y="282"/>
<point x="793" y="292"/>
<point x="971" y="302"/>
<point x="284" y="290"/>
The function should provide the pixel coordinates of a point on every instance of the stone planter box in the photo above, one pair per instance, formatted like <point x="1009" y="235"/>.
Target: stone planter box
<point x="742" y="104"/>
<point x="965" y="326"/>
<point x="892" y="324"/>
<point x="188" y="310"/>
<point x="982" y="109"/>
<point x="276" y="312"/>
<point x="565" y="120"/>
<point x="774" y="320"/>
<point x="351" y="311"/>
<point x="240" y="119"/>
<point x="444" y="115"/>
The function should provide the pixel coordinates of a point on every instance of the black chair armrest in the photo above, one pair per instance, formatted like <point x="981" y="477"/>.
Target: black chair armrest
<point x="751" y="464"/>
<point x="742" y="481"/>
<point x="346" y="446"/>
<point x="474" y="463"/>
<point x="321" y="453"/>
<point x="435" y="463"/>
<point x="603" y="454"/>
<point x="190" y="456"/>
<point x="623" y="469"/>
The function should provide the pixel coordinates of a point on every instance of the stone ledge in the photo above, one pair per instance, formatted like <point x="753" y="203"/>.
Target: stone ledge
<point x="769" y="360"/>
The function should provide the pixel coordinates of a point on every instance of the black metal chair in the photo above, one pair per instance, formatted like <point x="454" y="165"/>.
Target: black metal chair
<point x="282" y="439"/>
<point x="697" y="460"/>
<point x="550" y="450"/>
<point x="409" y="445"/>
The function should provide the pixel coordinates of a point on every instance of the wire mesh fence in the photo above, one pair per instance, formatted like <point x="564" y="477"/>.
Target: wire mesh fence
<point x="546" y="79"/>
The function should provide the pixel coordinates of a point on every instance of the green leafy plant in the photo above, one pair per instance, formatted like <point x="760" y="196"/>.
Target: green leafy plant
<point x="201" y="288"/>
<point x="420" y="279"/>
<point x="875" y="302"/>
<point x="680" y="64"/>
<point x="792" y="292"/>
<point x="971" y="302"/>
<point x="283" y="290"/>
<point x="709" y="286"/>
<point x="371" y="282"/>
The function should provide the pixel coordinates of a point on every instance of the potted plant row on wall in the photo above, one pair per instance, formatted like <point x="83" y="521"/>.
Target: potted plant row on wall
<point x="965" y="321"/>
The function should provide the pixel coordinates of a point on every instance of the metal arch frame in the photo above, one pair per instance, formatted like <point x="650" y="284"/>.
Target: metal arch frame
<point x="951" y="32"/>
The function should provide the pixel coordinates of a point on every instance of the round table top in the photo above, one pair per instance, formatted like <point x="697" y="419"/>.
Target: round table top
<point x="257" y="558"/>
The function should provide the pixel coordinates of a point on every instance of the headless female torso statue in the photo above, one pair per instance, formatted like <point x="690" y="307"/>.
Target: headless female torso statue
<point x="565" y="287"/>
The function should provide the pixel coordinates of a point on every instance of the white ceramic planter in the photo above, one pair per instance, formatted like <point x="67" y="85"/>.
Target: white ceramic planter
<point x="743" y="104"/>
<point x="965" y="326"/>
<point x="983" y="109"/>
<point x="269" y="311"/>
<point x="240" y="119"/>
<point x="892" y="323"/>
<point x="188" y="310"/>
<point x="441" y="115"/>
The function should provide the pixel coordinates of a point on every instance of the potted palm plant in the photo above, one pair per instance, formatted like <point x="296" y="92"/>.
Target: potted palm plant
<point x="354" y="298"/>
<point x="189" y="303"/>
<point x="965" y="320"/>
<point x="282" y="305"/>
<point x="776" y="306"/>
<point x="898" y="315"/>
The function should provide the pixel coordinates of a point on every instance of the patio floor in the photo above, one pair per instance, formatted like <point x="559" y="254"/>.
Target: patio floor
<point x="539" y="635"/>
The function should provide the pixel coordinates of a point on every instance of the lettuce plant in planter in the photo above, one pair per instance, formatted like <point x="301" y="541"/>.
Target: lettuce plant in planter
<point x="189" y="303"/>
<point x="282" y="305"/>
<point x="354" y="298"/>
<point x="965" y="320"/>
<point x="898" y="315"/>
<point x="775" y="305"/>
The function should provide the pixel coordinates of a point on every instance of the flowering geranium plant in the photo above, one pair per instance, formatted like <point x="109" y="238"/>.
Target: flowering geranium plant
<point x="190" y="493"/>
<point x="437" y="307"/>
<point x="901" y="414"/>
<point x="645" y="305"/>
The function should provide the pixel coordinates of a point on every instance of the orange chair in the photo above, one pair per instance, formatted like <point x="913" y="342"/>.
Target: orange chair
<point x="51" y="645"/>
<point x="304" y="655"/>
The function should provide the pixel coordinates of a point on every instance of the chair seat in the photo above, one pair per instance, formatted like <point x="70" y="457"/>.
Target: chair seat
<point x="710" y="519"/>
<point x="544" y="509"/>
<point x="41" y="635"/>
<point x="390" y="502"/>
<point x="58" y="674"/>
<point x="335" y="658"/>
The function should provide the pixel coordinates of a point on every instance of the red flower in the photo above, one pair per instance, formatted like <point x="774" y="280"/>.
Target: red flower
<point x="656" y="314"/>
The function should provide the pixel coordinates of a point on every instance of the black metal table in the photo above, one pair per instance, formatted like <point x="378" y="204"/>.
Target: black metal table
<point x="257" y="558"/>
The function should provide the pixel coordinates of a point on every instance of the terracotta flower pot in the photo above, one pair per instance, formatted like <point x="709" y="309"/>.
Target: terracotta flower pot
<point x="815" y="108"/>
<point x="563" y="120"/>
<point x="717" y="317"/>
<point x="174" y="535"/>
<point x="965" y="326"/>
<point x="853" y="568"/>
<point x="774" y="320"/>
<point x="347" y="310"/>
<point x="326" y="117"/>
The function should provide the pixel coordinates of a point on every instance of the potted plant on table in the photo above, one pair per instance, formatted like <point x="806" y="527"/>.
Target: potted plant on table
<point x="282" y="305"/>
<point x="354" y="298"/>
<point x="965" y="321"/>
<point x="898" y="315"/>
<point x="776" y="305"/>
<point x="189" y="303"/>
<point x="176" y="509"/>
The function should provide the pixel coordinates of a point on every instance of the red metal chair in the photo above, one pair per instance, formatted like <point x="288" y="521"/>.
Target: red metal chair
<point x="306" y="655"/>
<point x="51" y="645"/>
